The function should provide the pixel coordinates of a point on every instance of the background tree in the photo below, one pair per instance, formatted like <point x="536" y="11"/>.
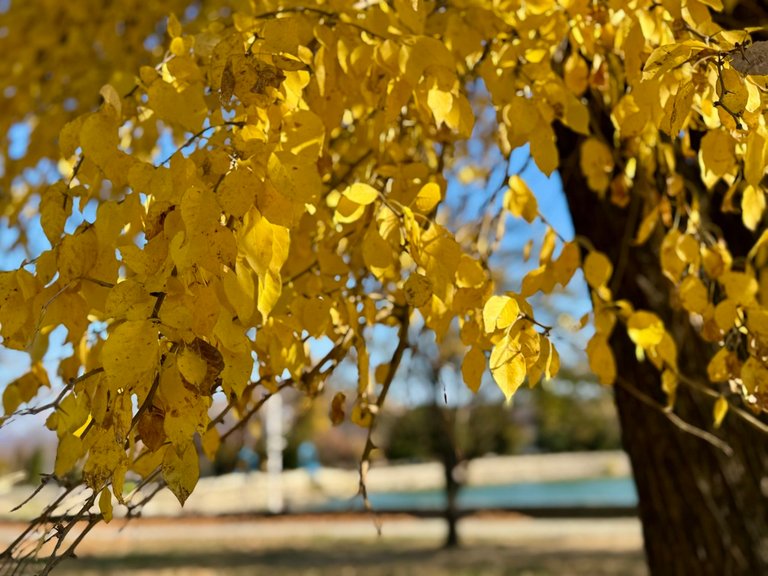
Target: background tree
<point x="269" y="177"/>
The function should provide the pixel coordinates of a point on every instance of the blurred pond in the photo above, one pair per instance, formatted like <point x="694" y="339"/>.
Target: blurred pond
<point x="598" y="492"/>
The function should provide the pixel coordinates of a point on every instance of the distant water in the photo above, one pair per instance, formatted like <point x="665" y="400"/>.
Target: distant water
<point x="599" y="492"/>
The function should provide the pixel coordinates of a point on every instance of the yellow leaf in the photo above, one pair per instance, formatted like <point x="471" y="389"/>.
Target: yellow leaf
<point x="527" y="250"/>
<point x="678" y="109"/>
<point x="716" y="156"/>
<point x="645" y="329"/>
<point x="303" y="132"/>
<point x="418" y="290"/>
<point x="755" y="156"/>
<point x="80" y="431"/>
<point x="377" y="253"/>
<point x="11" y="399"/>
<point x="440" y="103"/>
<point x="106" y="456"/>
<point x="69" y="451"/>
<point x="348" y="211"/>
<point x="151" y="430"/>
<point x="439" y="254"/>
<point x="597" y="269"/>
<point x="544" y="149"/>
<point x="669" y="383"/>
<point x="739" y="286"/>
<point x="174" y="26"/>
<point x="722" y="365"/>
<point x="554" y="363"/>
<point x="461" y="118"/>
<point x="237" y="191"/>
<point x="647" y="226"/>
<point x="519" y="199"/>
<point x="129" y="300"/>
<point x="337" y="408"/>
<point x="507" y="366"/>
<point x="266" y="247"/>
<point x="693" y="295"/>
<point x="601" y="360"/>
<point x="71" y="413"/>
<point x="752" y="206"/>
<point x="576" y="115"/>
<point x="25" y="388"/>
<point x="191" y="366"/>
<point x="576" y="74"/>
<point x="567" y="263"/>
<point x="210" y="443"/>
<point x="183" y="105"/>
<point x="732" y="90"/>
<point x="543" y="363"/>
<point x="596" y="161"/>
<point x="55" y="207"/>
<point x="422" y="52"/>
<point x="719" y="410"/>
<point x="361" y="193"/>
<point x="130" y="354"/>
<point x="541" y="278"/>
<point x="537" y="7"/>
<point x="315" y="316"/>
<point x="521" y="118"/>
<point x="472" y="368"/>
<point x="77" y="254"/>
<point x="726" y="314"/>
<point x="428" y="198"/>
<point x="470" y="273"/>
<point x="754" y="375"/>
<point x="99" y="138"/>
<point x="757" y="246"/>
<point x="112" y="100"/>
<point x="670" y="56"/>
<point x="671" y="264"/>
<point x="294" y="177"/>
<point x="200" y="211"/>
<point x="105" y="505"/>
<point x="547" y="246"/>
<point x="240" y="288"/>
<point x="186" y="409"/>
<point x="499" y="312"/>
<point x="181" y="471"/>
<point x="688" y="249"/>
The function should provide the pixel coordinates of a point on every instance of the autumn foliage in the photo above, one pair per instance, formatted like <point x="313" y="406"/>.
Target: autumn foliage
<point x="275" y="174"/>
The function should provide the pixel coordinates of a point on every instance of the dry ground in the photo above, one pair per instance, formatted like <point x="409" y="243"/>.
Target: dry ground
<point x="347" y="545"/>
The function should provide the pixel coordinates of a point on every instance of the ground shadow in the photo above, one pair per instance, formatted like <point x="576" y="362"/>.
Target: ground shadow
<point x="379" y="560"/>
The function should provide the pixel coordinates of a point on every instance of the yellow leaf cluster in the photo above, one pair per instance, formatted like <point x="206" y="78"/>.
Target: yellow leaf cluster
<point x="255" y="185"/>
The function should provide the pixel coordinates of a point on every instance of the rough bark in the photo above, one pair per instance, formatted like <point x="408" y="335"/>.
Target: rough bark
<point x="703" y="511"/>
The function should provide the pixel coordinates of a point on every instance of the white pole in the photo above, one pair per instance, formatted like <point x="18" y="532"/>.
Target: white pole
<point x="275" y="445"/>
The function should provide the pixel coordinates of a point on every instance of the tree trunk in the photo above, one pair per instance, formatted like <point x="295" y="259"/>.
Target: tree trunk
<point x="451" y="505"/>
<point x="703" y="511"/>
<point x="444" y="444"/>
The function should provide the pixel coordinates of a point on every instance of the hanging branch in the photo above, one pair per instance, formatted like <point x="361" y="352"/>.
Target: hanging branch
<point x="394" y="363"/>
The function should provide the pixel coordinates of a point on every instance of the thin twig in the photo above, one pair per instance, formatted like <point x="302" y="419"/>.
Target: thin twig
<point x="199" y="134"/>
<point x="741" y="413"/>
<point x="55" y="402"/>
<point x="365" y="459"/>
<point x="675" y="419"/>
<point x="256" y="407"/>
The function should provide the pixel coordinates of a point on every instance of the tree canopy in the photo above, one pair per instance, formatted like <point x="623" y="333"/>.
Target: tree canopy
<point x="223" y="184"/>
